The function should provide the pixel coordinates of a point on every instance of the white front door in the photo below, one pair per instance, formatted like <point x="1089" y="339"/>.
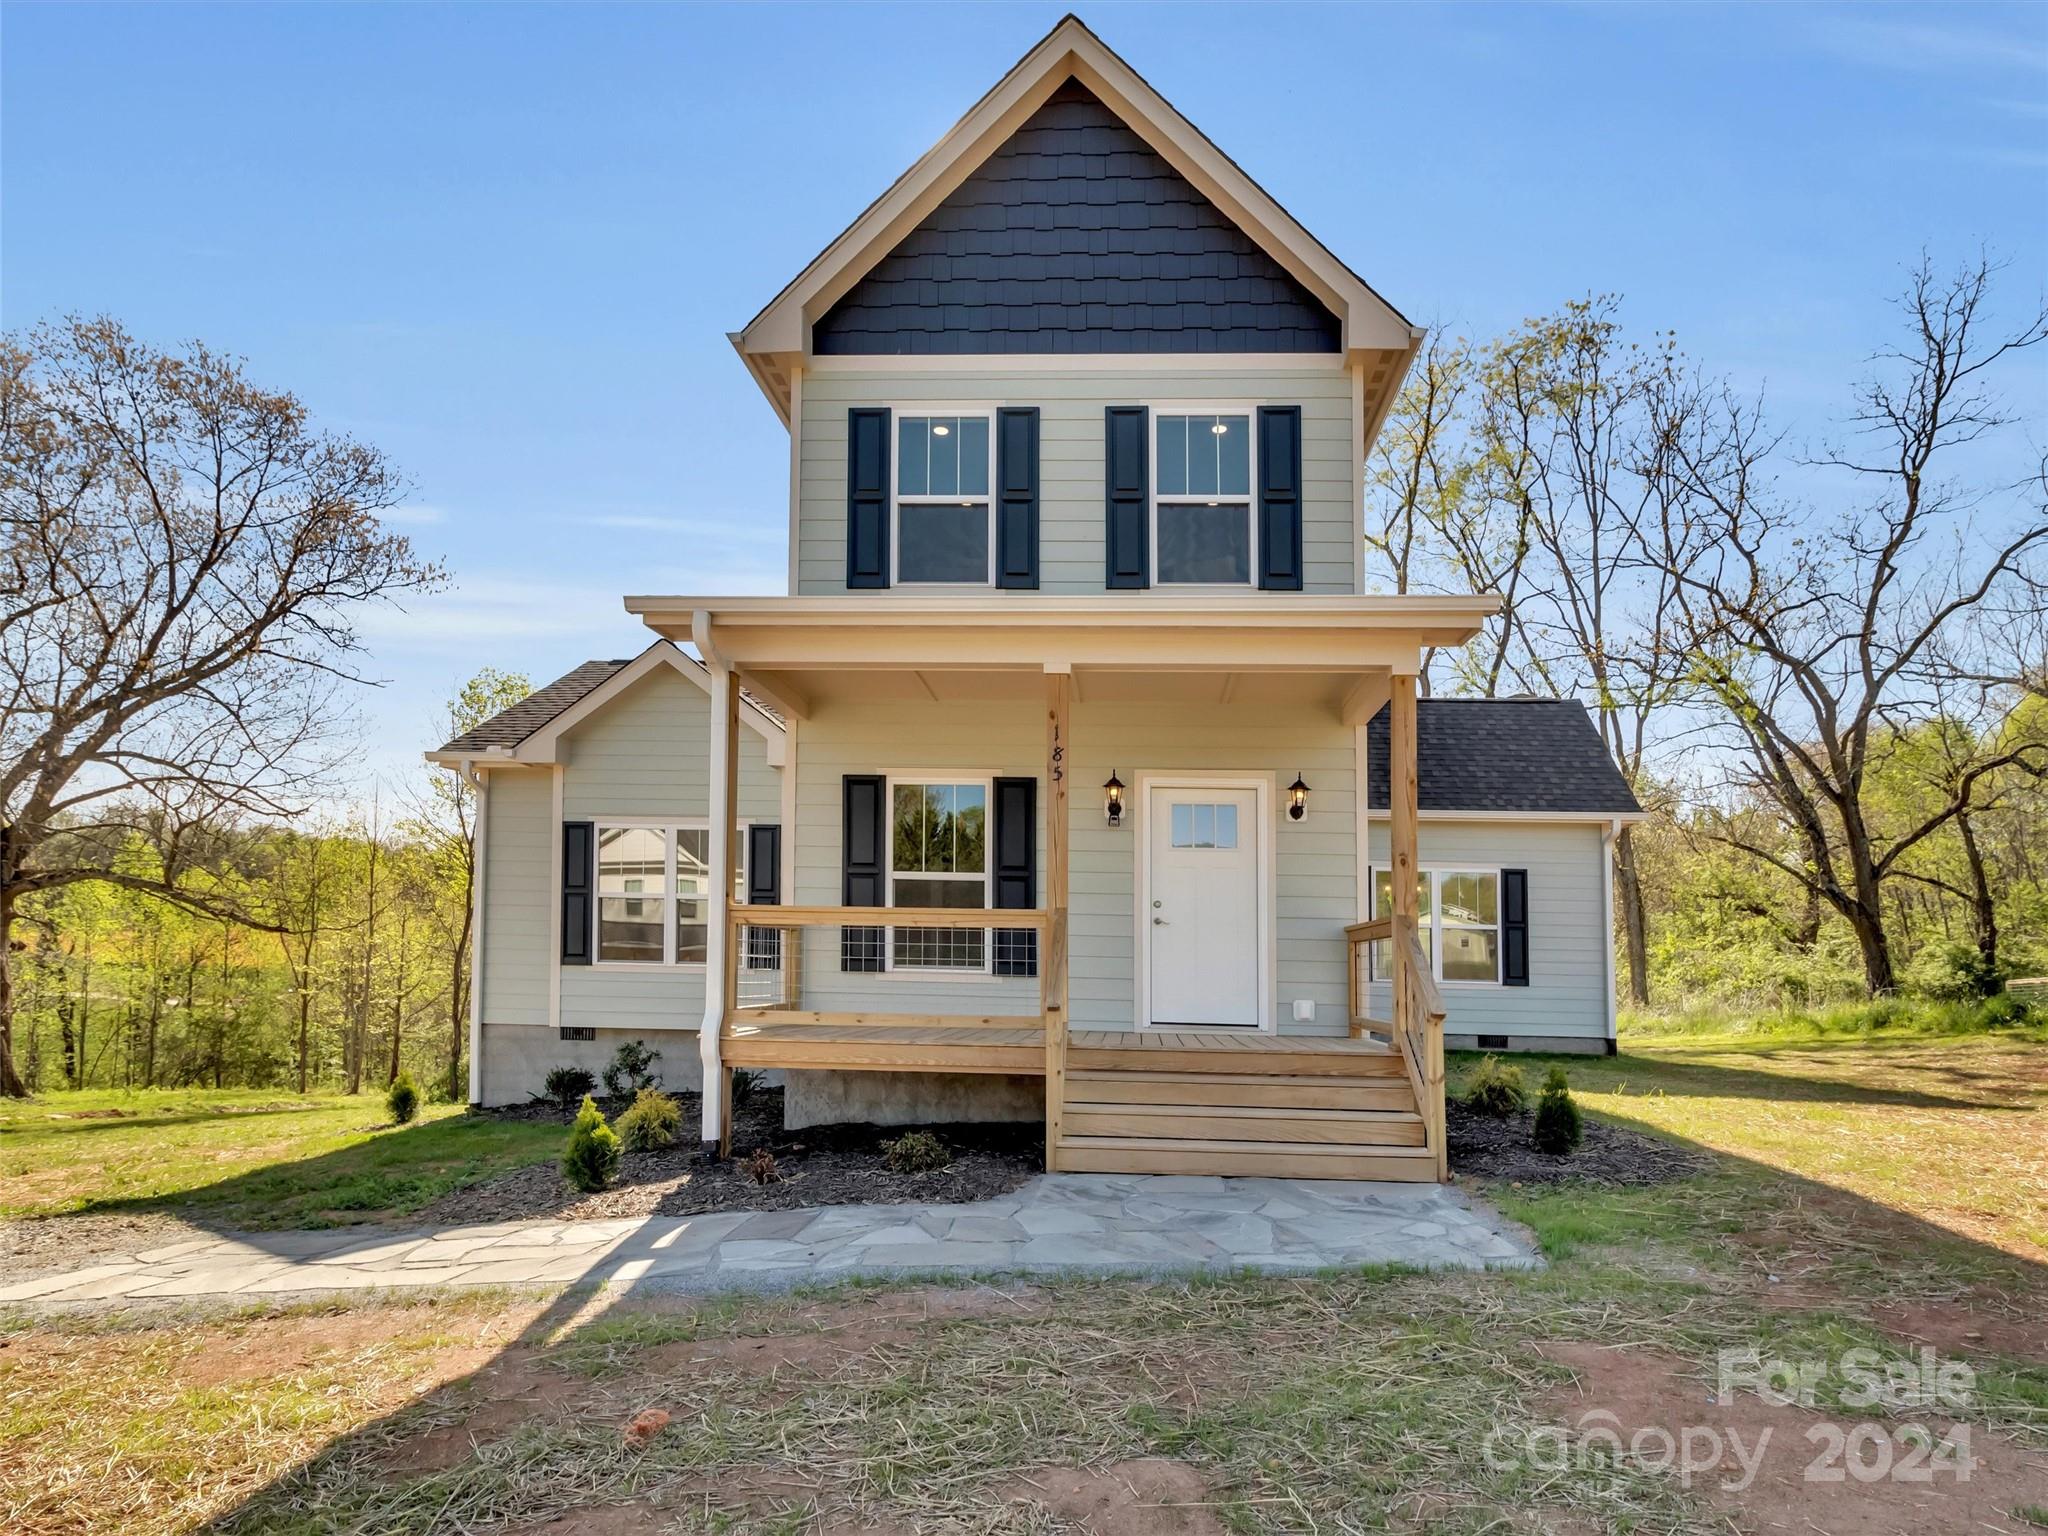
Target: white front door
<point x="1203" y="912"/>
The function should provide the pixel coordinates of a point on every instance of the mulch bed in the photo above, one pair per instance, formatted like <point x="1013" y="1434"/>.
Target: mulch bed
<point x="1485" y="1148"/>
<point x="819" y="1165"/>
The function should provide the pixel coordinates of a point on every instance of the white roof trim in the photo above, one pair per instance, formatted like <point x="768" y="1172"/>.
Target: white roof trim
<point x="783" y="329"/>
<point x="543" y="745"/>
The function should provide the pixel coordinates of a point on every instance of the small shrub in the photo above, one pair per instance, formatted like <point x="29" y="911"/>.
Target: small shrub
<point x="653" y="1121"/>
<point x="1953" y="973"/>
<point x="745" y="1084"/>
<point x="631" y="1070"/>
<point x="916" y="1152"/>
<point x="566" y="1086"/>
<point x="2004" y="1011"/>
<point x="1496" y="1090"/>
<point x="591" y="1160"/>
<point x="402" y="1099"/>
<point x="1558" y="1126"/>
<point x="761" y="1167"/>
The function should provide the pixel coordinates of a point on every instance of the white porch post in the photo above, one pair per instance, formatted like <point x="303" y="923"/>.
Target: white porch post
<point x="479" y="833"/>
<point x="718" y="947"/>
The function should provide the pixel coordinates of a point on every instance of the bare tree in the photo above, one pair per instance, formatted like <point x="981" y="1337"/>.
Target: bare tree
<point x="181" y="554"/>
<point x="1825" y="641"/>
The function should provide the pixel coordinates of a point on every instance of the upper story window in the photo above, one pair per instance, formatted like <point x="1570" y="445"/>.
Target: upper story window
<point x="1202" y="498"/>
<point x="944" y="531"/>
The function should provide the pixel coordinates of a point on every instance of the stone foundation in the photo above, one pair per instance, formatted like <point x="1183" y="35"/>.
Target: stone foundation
<point x="518" y="1057"/>
<point x="1560" y="1045"/>
<point x="907" y="1098"/>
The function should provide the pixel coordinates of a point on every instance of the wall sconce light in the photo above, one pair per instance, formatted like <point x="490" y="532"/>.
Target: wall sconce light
<point x="1113" y="799"/>
<point x="1297" y="799"/>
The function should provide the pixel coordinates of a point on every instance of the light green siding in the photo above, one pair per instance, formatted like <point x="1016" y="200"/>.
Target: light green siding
<point x="518" y="893"/>
<point x="1315" y="860"/>
<point x="1071" y="456"/>
<point x="1567" y="992"/>
<point x="644" y="755"/>
<point x="973" y="740"/>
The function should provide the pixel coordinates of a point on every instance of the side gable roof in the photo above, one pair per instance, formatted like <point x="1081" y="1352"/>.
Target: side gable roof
<point x="576" y="694"/>
<point x="1504" y="757"/>
<point x="1371" y="331"/>
<point x="509" y="727"/>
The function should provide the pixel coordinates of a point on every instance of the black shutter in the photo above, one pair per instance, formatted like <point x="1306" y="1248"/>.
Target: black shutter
<point x="1127" y="497"/>
<point x="864" y="878"/>
<point x="579" y="886"/>
<point x="867" y="498"/>
<point x="1280" y="498"/>
<point x="764" y="889"/>
<point x="1514" y="927"/>
<point x="1017" y="497"/>
<point x="1016" y="872"/>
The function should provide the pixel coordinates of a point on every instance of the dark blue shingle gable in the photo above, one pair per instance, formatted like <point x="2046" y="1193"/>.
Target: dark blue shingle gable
<point x="1076" y="236"/>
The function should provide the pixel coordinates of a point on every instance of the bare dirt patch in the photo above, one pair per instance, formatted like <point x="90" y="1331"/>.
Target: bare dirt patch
<point x="1149" y="1496"/>
<point x="1483" y="1147"/>
<point x="1957" y="1328"/>
<point x="819" y="1165"/>
<point x="42" y="1245"/>
<point x="1647" y="1391"/>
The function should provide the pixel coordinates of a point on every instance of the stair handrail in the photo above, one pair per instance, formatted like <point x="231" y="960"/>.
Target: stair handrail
<point x="1419" y="1027"/>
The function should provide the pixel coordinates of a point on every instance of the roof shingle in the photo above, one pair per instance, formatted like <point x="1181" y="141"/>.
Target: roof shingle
<point x="1504" y="756"/>
<point x="509" y="727"/>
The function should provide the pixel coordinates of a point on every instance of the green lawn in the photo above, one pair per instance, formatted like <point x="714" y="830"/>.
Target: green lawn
<point x="1864" y="1194"/>
<point x="246" y="1158"/>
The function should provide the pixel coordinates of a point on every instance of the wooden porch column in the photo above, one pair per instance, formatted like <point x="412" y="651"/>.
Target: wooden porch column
<point x="1401" y="849"/>
<point x="1052" y="956"/>
<point x="721" y="978"/>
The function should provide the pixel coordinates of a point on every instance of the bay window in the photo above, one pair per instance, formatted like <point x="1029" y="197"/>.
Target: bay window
<point x="944" y="514"/>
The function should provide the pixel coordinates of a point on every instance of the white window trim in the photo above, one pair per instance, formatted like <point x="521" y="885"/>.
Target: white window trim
<point x="897" y="500"/>
<point x="668" y="826"/>
<point x="988" y="790"/>
<point x="1153" y="411"/>
<point x="1436" y="872"/>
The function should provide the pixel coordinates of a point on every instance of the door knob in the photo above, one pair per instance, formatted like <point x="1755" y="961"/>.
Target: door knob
<point x="1159" y="922"/>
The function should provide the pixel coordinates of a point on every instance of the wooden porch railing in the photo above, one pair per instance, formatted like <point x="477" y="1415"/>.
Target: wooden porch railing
<point x="781" y="1000"/>
<point x="1418" y="1023"/>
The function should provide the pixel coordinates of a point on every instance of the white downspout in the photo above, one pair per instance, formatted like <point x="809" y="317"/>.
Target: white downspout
<point x="1608" y="834"/>
<point x="478" y="833"/>
<point x="718" y="907"/>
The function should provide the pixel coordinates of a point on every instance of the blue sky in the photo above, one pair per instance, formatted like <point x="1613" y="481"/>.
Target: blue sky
<point x="505" y="243"/>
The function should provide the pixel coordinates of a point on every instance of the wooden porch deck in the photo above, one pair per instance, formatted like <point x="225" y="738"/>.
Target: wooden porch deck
<point x="1016" y="1045"/>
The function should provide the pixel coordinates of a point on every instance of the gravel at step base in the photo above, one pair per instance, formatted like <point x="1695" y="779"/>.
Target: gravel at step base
<point x="1485" y="1148"/>
<point x="819" y="1165"/>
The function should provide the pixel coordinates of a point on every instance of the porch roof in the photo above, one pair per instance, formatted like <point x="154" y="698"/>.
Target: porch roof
<point x="1300" y="647"/>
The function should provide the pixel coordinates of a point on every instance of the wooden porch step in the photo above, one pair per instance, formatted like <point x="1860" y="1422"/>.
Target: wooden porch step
<point x="1183" y="1122"/>
<point x="1244" y="1159"/>
<point x="1249" y="1089"/>
<point x="1084" y="1055"/>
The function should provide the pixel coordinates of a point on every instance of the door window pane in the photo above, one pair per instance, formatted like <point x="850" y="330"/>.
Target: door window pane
<point x="1204" y="826"/>
<point x="1205" y="542"/>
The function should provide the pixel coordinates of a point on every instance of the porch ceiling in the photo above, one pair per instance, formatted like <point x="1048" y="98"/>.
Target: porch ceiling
<point x="1238" y="649"/>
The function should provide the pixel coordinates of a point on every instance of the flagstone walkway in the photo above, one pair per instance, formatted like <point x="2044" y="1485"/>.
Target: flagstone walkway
<point x="1125" y="1224"/>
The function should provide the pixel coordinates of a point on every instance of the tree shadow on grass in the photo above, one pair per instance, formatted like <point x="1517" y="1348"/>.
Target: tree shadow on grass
<point x="1680" y="1075"/>
<point x="1800" y="1248"/>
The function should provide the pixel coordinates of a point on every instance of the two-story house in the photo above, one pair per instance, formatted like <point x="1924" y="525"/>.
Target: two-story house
<point x="1078" y="775"/>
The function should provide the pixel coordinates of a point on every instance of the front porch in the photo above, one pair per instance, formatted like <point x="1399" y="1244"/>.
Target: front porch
<point x="1291" y="1092"/>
